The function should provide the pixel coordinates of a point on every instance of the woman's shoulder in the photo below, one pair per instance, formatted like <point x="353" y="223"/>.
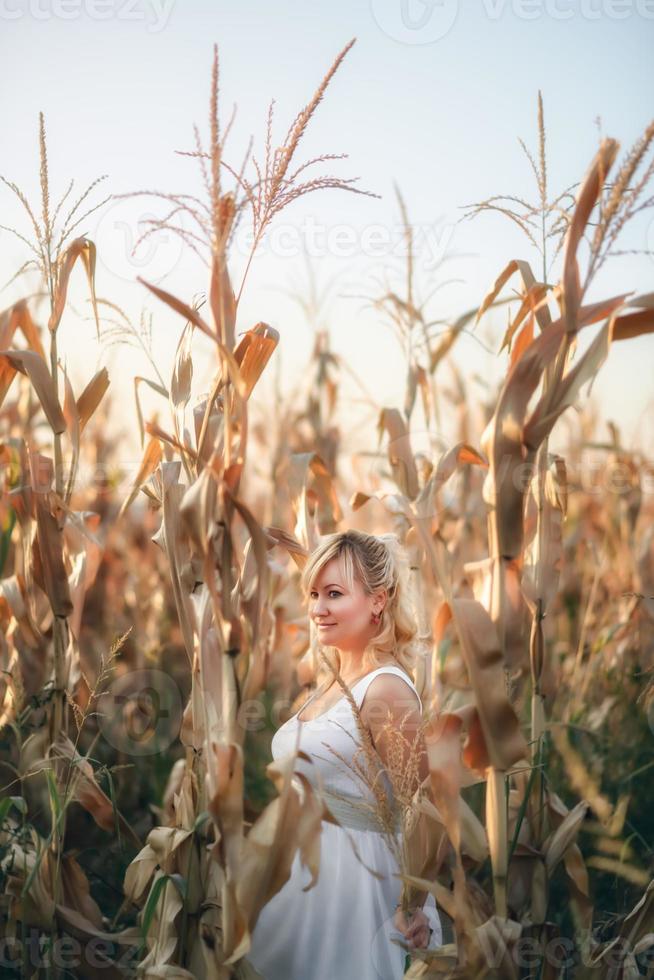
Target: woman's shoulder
<point x="391" y="685"/>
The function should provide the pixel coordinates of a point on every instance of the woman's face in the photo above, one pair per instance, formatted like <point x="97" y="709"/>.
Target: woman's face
<point x="342" y="615"/>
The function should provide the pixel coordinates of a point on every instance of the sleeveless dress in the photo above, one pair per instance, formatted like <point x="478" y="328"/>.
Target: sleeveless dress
<point x="341" y="929"/>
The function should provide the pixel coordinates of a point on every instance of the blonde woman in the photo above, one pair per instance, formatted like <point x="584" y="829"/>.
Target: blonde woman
<point x="342" y="928"/>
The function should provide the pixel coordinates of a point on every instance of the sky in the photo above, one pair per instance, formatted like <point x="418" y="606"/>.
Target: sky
<point x="433" y="97"/>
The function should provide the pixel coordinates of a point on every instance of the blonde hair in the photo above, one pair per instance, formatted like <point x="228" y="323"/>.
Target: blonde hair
<point x="377" y="562"/>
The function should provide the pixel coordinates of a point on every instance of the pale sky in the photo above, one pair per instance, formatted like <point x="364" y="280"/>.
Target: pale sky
<point x="434" y="96"/>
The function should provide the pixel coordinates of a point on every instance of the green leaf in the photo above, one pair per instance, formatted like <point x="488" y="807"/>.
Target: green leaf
<point x="151" y="904"/>
<point x="201" y="819"/>
<point x="6" y="537"/>
<point x="179" y="881"/>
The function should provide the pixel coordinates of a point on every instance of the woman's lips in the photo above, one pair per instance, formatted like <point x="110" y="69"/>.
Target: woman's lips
<point x="325" y="626"/>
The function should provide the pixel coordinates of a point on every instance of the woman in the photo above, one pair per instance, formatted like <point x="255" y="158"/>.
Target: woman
<point x="343" y="927"/>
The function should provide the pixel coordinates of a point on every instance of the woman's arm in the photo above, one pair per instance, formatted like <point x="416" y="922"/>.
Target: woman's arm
<point x="391" y="707"/>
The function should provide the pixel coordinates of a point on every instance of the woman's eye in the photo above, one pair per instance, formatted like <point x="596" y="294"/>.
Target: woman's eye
<point x="335" y="593"/>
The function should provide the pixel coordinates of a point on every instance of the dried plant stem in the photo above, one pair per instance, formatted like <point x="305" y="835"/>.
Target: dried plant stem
<point x="497" y="828"/>
<point x="496" y="814"/>
<point x="536" y="645"/>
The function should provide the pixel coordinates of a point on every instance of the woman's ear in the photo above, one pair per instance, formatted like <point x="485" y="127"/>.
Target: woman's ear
<point x="381" y="600"/>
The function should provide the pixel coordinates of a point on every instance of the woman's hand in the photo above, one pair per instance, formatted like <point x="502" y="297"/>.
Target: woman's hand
<point x="415" y="929"/>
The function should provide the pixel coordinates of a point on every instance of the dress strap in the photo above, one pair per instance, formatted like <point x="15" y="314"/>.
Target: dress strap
<point x="364" y="683"/>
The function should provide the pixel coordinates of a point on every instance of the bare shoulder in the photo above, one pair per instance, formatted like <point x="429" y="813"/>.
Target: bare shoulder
<point x="389" y="692"/>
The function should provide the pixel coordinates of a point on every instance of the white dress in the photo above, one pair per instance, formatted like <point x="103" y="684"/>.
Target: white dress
<point x="341" y="928"/>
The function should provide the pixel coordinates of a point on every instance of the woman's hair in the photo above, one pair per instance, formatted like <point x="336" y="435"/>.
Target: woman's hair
<point x="377" y="562"/>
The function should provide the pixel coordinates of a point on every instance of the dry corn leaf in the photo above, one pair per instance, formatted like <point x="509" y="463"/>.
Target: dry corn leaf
<point x="528" y="308"/>
<point x="529" y="282"/>
<point x="579" y="886"/>
<point x="180" y="384"/>
<point x="35" y="907"/>
<point x="91" y="397"/>
<point x="504" y="439"/>
<point x="73" y="425"/>
<point x="225" y="804"/>
<point x="163" y="934"/>
<point x="149" y="462"/>
<point x="176" y="546"/>
<point x="525" y="337"/>
<point x="79" y="247"/>
<point x="425" y="841"/>
<point x="587" y="196"/>
<point x="139" y="873"/>
<point x="554" y="402"/>
<point x="255" y="567"/>
<point x="292" y="821"/>
<point x="637" y="876"/>
<point x="207" y="698"/>
<point x="31" y="364"/>
<point x="504" y="740"/>
<point x="564" y="835"/>
<point x="180" y="307"/>
<point x="496" y="938"/>
<point x="13" y="594"/>
<point x="253" y="353"/>
<point x="18" y="317"/>
<point x="222" y="300"/>
<point x="400" y="454"/>
<point x="74" y="888"/>
<point x="47" y="553"/>
<point x="312" y="494"/>
<point x="297" y="551"/>
<point x="83" y="786"/>
<point x="443" y="744"/>
<point x="427" y="503"/>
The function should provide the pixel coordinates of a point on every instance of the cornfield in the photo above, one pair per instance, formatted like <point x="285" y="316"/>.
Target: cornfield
<point x="149" y="638"/>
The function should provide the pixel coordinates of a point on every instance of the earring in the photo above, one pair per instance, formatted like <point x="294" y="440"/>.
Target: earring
<point x="374" y="619"/>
